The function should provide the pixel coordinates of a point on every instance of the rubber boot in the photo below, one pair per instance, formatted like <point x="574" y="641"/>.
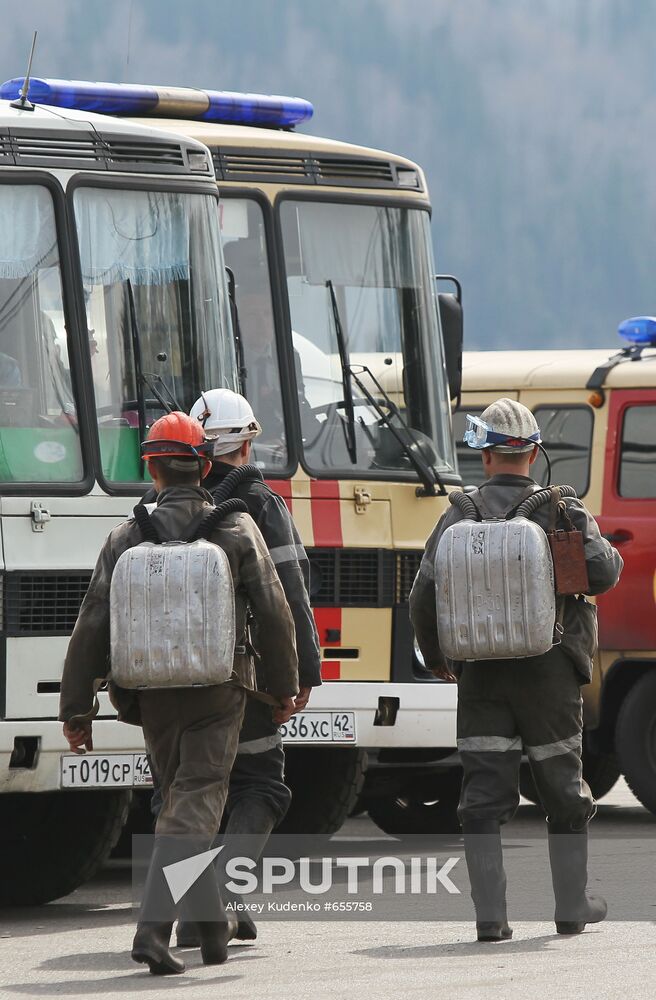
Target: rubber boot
<point x="254" y="820"/>
<point x="575" y="907"/>
<point x="484" y="856"/>
<point x="151" y="941"/>
<point x="204" y="905"/>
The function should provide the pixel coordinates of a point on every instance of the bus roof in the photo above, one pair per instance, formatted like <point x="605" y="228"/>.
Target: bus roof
<point x="69" y="139"/>
<point x="344" y="163"/>
<point x="66" y="118"/>
<point x="558" y="369"/>
<point x="215" y="134"/>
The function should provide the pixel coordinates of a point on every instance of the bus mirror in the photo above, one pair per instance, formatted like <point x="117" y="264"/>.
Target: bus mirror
<point x="450" y="306"/>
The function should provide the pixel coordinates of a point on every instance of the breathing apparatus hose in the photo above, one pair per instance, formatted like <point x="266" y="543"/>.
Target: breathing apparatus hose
<point x="212" y="520"/>
<point x="470" y="512"/>
<point x="465" y="505"/>
<point x="540" y="498"/>
<point x="227" y="486"/>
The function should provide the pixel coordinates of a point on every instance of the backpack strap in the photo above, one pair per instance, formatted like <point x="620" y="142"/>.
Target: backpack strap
<point x="149" y="532"/>
<point x="528" y="492"/>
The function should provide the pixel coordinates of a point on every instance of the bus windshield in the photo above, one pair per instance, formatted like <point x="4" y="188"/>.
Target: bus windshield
<point x="39" y="435"/>
<point x="367" y="269"/>
<point x="157" y="310"/>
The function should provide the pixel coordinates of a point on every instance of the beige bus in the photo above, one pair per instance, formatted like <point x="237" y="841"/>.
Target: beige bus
<point x="597" y="413"/>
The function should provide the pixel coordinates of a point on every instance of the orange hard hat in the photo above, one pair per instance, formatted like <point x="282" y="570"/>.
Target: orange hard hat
<point x="175" y="435"/>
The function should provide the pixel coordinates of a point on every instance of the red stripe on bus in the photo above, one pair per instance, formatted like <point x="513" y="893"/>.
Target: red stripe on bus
<point x="326" y="514"/>
<point x="329" y="627"/>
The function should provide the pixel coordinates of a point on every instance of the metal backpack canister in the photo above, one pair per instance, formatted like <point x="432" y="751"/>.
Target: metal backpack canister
<point x="172" y="611"/>
<point x="494" y="581"/>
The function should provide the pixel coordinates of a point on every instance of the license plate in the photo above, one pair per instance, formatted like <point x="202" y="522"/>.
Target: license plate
<point x="99" y="770"/>
<point x="320" y="727"/>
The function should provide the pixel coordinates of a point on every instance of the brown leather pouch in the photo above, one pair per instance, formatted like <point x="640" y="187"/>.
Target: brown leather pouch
<point x="567" y="550"/>
<point x="570" y="567"/>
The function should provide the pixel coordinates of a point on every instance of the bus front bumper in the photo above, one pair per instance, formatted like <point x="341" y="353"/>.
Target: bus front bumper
<point x="384" y="716"/>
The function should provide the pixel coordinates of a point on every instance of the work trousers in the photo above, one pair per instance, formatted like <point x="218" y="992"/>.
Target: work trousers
<point x="504" y="704"/>
<point x="259" y="768"/>
<point x="192" y="736"/>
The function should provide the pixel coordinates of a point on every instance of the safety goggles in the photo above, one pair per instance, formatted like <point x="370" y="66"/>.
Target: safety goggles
<point x="480" y="435"/>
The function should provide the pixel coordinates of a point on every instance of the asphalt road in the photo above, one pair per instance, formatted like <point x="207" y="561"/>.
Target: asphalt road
<point x="79" y="946"/>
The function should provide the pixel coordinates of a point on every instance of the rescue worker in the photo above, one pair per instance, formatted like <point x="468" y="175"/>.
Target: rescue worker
<point x="535" y="701"/>
<point x="258" y="797"/>
<point x="192" y="733"/>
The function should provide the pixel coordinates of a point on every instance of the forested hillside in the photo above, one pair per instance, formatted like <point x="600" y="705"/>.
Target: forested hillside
<point x="534" y="121"/>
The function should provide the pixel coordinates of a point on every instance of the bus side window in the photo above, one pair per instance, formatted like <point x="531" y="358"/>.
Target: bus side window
<point x="470" y="465"/>
<point x="567" y="436"/>
<point x="638" y="455"/>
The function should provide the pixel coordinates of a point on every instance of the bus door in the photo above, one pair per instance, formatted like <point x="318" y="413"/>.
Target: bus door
<point x="627" y="615"/>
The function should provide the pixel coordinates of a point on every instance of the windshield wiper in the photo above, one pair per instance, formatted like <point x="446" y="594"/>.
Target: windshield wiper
<point x="427" y="473"/>
<point x="349" y="430"/>
<point x="138" y="373"/>
<point x="148" y="379"/>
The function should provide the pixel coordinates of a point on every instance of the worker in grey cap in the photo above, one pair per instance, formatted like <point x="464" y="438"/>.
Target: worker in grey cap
<point x="534" y="701"/>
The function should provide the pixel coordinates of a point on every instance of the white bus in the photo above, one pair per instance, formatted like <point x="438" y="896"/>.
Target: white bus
<point x="113" y="294"/>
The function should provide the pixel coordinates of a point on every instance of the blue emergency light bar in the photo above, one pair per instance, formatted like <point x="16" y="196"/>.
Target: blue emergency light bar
<point x="169" y="102"/>
<point x="639" y="330"/>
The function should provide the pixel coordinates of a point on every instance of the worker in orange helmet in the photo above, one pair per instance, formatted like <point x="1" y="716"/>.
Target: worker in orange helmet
<point x="192" y="732"/>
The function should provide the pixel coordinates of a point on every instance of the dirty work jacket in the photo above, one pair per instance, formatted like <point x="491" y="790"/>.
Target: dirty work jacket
<point x="604" y="564"/>
<point x="256" y="585"/>
<point x="270" y="513"/>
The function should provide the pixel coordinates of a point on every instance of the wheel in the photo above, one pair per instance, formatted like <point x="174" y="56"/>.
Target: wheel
<point x="52" y="842"/>
<point x="325" y="783"/>
<point x="600" y="770"/>
<point x="427" y="808"/>
<point x="635" y="740"/>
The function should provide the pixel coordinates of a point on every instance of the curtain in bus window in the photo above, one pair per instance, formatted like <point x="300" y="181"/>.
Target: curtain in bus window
<point x="27" y="234"/>
<point x="39" y="437"/>
<point x="140" y="236"/>
<point x="358" y="247"/>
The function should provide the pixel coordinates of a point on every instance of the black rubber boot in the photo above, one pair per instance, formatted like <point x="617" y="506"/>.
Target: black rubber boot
<point x="151" y="947"/>
<point x="204" y="904"/>
<point x="254" y="820"/>
<point x="151" y="941"/>
<point x="575" y="907"/>
<point x="484" y="856"/>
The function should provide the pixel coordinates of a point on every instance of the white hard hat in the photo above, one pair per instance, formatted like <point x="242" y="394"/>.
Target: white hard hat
<point x="506" y="426"/>
<point x="227" y="418"/>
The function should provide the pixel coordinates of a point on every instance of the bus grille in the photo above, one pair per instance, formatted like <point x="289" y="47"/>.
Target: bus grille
<point x="91" y="150"/>
<point x="276" y="167"/>
<point x="48" y="603"/>
<point x="43" y="603"/>
<point x="364" y="578"/>
<point x="407" y="565"/>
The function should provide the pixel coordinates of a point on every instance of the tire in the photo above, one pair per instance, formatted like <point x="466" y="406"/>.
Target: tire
<point x="635" y="740"/>
<point x="52" y="842"/>
<point x="326" y="783"/>
<point x="600" y="770"/>
<point x="431" y="808"/>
